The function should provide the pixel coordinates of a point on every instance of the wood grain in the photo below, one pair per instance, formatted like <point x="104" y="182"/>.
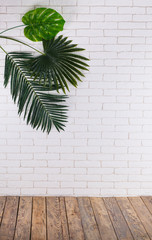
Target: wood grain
<point x="38" y="219"/>
<point x="54" y="229"/>
<point x="71" y="218"/>
<point x="132" y="219"/>
<point x="90" y="228"/>
<point x="143" y="213"/>
<point x="8" y="224"/>
<point x="119" y="223"/>
<point x="148" y="202"/>
<point x="2" y="205"/>
<point x="103" y="220"/>
<point x="23" y="225"/>
<point x="64" y="222"/>
<point x="74" y="219"/>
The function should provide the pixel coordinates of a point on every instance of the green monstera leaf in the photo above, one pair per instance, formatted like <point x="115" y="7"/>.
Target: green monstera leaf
<point x="42" y="24"/>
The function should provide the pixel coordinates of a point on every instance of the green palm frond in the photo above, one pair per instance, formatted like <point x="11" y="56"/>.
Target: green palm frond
<point x="41" y="108"/>
<point x="60" y="65"/>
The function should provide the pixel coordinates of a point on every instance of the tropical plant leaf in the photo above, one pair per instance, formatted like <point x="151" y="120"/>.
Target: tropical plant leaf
<point x="41" y="108"/>
<point x="60" y="65"/>
<point x="42" y="23"/>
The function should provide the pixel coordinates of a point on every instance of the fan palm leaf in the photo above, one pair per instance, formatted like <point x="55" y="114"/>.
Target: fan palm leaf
<point x="59" y="65"/>
<point x="41" y="108"/>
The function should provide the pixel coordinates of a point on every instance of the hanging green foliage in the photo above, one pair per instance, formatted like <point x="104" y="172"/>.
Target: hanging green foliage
<point x="42" y="23"/>
<point x="35" y="81"/>
<point x="59" y="65"/>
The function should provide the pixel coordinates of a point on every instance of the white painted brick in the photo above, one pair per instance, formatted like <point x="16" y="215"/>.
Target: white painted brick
<point x="88" y="33"/>
<point x="33" y="163"/>
<point x="20" y="184"/>
<point x="90" y="17"/>
<point x="127" y="142"/>
<point x="90" y="3"/>
<point x="60" y="192"/>
<point x="19" y="156"/>
<point x="142" y="3"/>
<point x="118" y="3"/>
<point x="44" y="184"/>
<point x="33" y="191"/>
<point x="114" y="135"/>
<point x="75" y="9"/>
<point x="97" y="171"/>
<point x="30" y="149"/>
<point x="131" y="70"/>
<point x="132" y="10"/>
<point x="107" y="10"/>
<point x="11" y="177"/>
<point x="102" y="185"/>
<point x="130" y="99"/>
<point x="34" y="177"/>
<point x="116" y="106"/>
<point x="127" y="185"/>
<point x="74" y="184"/>
<point x="104" y="25"/>
<point x="146" y="185"/>
<point x="116" y="178"/>
<point x="128" y="157"/>
<point x="74" y="171"/>
<point x="79" y="156"/>
<point x="142" y="18"/>
<point x="10" y="191"/>
<point x="129" y="40"/>
<point x="127" y="171"/>
<point x="114" y="164"/>
<point x="113" y="192"/>
<point x="87" y="163"/>
<point x="98" y="157"/>
<point x="20" y="170"/>
<point x="105" y="149"/>
<point x="60" y="163"/>
<point x="118" y="18"/>
<point x="112" y="149"/>
<point x="87" y="192"/>
<point x="118" y="33"/>
<point x="61" y="178"/>
<point x="140" y="178"/>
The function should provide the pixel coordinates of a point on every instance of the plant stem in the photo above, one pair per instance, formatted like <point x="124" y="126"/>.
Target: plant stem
<point x="3" y="50"/>
<point x="12" y="28"/>
<point x="13" y="39"/>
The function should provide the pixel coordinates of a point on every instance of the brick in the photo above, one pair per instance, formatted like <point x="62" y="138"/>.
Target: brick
<point x="105" y="149"/>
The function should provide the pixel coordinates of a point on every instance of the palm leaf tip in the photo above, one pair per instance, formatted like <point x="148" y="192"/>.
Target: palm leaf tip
<point x="41" y="108"/>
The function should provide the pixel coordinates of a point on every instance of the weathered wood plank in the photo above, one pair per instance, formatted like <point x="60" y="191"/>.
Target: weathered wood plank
<point x="8" y="224"/>
<point x="143" y="213"/>
<point x="74" y="219"/>
<point x="38" y="219"/>
<point x="89" y="224"/>
<point x="148" y="202"/>
<point x="119" y="223"/>
<point x="54" y="229"/>
<point x="103" y="220"/>
<point x="64" y="222"/>
<point x="23" y="226"/>
<point x="132" y="219"/>
<point x="2" y="204"/>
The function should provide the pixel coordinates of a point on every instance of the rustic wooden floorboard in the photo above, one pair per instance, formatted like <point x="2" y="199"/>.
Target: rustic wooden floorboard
<point x="71" y="218"/>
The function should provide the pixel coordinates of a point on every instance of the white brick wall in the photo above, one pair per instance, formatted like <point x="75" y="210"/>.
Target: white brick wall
<point x="106" y="148"/>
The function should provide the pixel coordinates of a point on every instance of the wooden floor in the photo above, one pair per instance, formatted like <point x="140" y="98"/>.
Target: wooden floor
<point x="54" y="218"/>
